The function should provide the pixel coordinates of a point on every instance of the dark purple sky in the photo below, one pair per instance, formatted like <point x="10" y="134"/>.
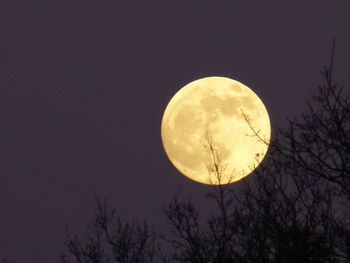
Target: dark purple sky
<point x="83" y="85"/>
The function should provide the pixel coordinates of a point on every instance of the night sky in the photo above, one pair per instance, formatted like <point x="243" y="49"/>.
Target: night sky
<point x="83" y="86"/>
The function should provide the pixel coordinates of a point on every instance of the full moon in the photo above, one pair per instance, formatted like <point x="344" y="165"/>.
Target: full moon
<point x="215" y="130"/>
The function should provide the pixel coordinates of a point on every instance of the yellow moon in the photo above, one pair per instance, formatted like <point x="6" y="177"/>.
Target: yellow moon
<point x="215" y="130"/>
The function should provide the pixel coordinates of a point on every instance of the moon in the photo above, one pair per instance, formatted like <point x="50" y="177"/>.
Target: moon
<point x="215" y="130"/>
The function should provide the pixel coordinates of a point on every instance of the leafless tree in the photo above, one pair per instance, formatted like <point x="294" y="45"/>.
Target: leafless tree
<point x="317" y="145"/>
<point x="107" y="239"/>
<point x="319" y="141"/>
<point x="284" y="217"/>
<point x="194" y="239"/>
<point x="279" y="216"/>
